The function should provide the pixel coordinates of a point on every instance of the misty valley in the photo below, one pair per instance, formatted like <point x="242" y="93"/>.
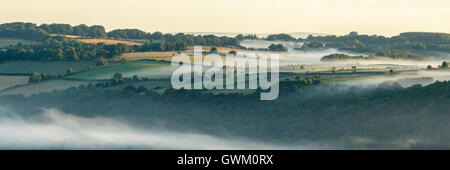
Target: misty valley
<point x="81" y="87"/>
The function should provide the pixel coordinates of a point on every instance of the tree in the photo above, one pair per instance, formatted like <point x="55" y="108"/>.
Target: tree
<point x="354" y="69"/>
<point x="444" y="65"/>
<point x="213" y="50"/>
<point x="36" y="77"/>
<point x="118" y="75"/>
<point x="429" y="67"/>
<point x="277" y="47"/>
<point x="117" y="79"/>
<point x="102" y="62"/>
<point x="136" y="77"/>
<point x="234" y="52"/>
<point x="70" y="71"/>
<point x="71" y="53"/>
<point x="58" y="55"/>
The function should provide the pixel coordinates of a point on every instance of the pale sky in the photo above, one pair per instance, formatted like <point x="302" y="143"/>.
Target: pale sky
<point x="382" y="17"/>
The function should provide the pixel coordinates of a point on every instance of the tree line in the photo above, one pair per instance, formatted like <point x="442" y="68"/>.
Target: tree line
<point x="59" y="48"/>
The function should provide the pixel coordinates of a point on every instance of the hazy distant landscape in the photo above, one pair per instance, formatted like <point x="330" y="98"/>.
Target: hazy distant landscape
<point x="101" y="76"/>
<point x="352" y="91"/>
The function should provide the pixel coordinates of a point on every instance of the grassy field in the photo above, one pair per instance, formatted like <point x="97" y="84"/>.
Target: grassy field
<point x="108" y="41"/>
<point x="45" y="86"/>
<point x="52" y="68"/>
<point x="4" y="42"/>
<point x="149" y="69"/>
<point x="9" y="81"/>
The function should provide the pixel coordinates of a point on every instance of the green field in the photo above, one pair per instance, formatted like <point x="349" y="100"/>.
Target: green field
<point x="9" y="81"/>
<point x="4" y="42"/>
<point x="149" y="69"/>
<point x="45" y="86"/>
<point x="52" y="68"/>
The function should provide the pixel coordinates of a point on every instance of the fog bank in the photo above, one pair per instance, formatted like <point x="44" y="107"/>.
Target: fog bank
<point x="53" y="129"/>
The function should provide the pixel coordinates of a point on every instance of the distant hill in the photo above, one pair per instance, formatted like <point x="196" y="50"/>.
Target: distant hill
<point x="260" y="35"/>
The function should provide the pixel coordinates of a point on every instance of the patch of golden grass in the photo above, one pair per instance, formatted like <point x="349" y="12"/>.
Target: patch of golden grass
<point x="165" y="55"/>
<point x="108" y="41"/>
<point x="63" y="35"/>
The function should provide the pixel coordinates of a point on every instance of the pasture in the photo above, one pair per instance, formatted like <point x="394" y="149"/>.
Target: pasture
<point x="108" y="41"/>
<point x="148" y="69"/>
<point x="51" y="68"/>
<point x="45" y="86"/>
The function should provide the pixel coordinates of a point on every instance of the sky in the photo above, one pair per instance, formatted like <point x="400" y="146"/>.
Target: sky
<point x="381" y="17"/>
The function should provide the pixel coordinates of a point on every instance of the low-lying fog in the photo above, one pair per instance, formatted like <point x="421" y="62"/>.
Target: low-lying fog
<point x="405" y="79"/>
<point x="53" y="129"/>
<point x="312" y="57"/>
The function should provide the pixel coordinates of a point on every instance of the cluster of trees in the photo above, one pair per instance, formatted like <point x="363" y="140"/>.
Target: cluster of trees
<point x="247" y="37"/>
<point x="311" y="45"/>
<point x="64" y="49"/>
<point x="356" y="46"/>
<point x="336" y="57"/>
<point x="280" y="37"/>
<point x="31" y="31"/>
<point x="444" y="65"/>
<point x="95" y="31"/>
<point x="127" y="34"/>
<point x="28" y="31"/>
<point x="299" y="82"/>
<point x="406" y="55"/>
<point x="180" y="38"/>
<point x="37" y="77"/>
<point x="164" y="46"/>
<point x="67" y="49"/>
<point x="416" y="41"/>
<point x="277" y="47"/>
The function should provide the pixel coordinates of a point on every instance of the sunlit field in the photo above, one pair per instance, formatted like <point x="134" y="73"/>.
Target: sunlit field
<point x="148" y="69"/>
<point x="109" y="41"/>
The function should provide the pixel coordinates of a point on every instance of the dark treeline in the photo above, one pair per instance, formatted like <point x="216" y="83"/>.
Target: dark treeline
<point x="414" y="41"/>
<point x="280" y="37"/>
<point x="33" y="32"/>
<point x="247" y="37"/>
<point x="58" y="48"/>
<point x="180" y="38"/>
<point x="95" y="31"/>
<point x="127" y="34"/>
<point x="277" y="47"/>
<point x="64" y="49"/>
<point x="28" y="31"/>
<point x="405" y="55"/>
<point x="386" y="116"/>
